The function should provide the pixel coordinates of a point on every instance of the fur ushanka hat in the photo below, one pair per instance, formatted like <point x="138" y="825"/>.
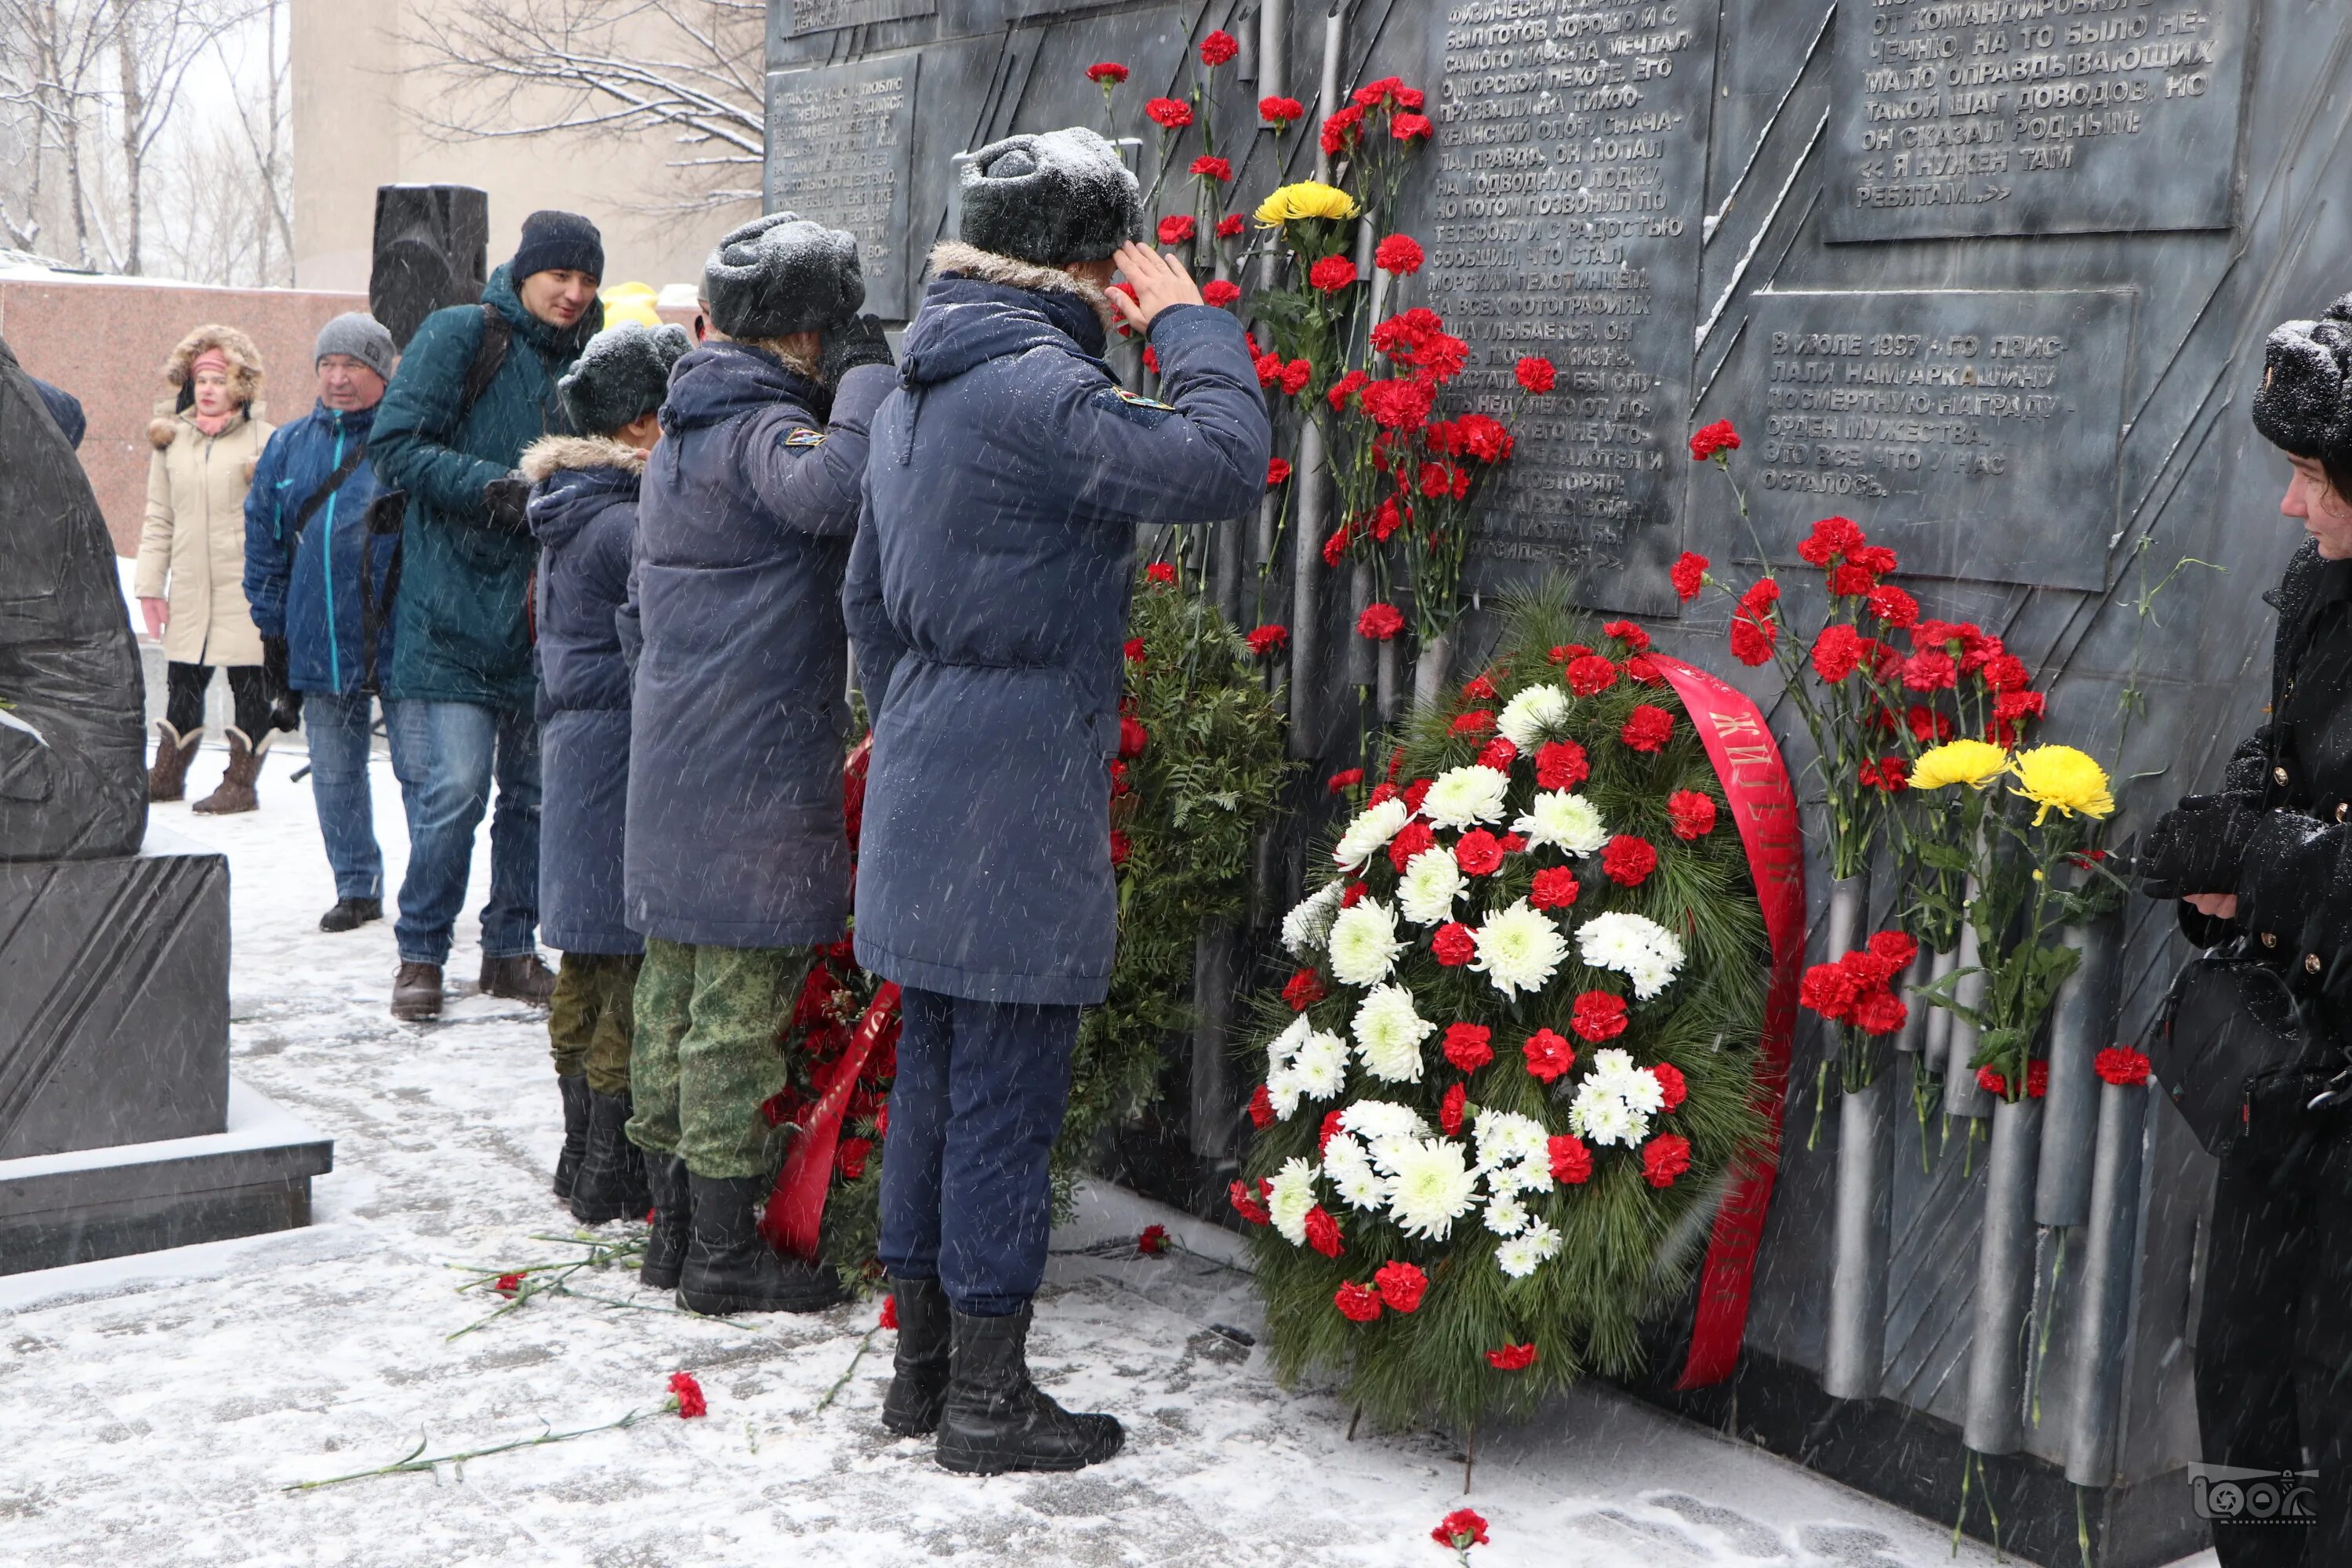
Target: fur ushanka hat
<point x="1062" y="196"/>
<point x="782" y="274"/>
<point x="621" y="375"/>
<point x="2305" y="405"/>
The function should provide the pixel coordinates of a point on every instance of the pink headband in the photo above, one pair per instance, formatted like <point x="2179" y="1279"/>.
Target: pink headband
<point x="210" y="359"/>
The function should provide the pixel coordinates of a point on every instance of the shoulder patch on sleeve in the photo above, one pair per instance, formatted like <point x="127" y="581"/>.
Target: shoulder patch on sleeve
<point x="802" y="436"/>
<point x="1135" y="406"/>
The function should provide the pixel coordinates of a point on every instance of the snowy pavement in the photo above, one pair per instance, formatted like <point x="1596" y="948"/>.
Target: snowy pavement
<point x="154" y="1408"/>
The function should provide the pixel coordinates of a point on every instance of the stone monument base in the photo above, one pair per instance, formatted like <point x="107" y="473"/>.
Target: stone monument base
<point x="87" y="1203"/>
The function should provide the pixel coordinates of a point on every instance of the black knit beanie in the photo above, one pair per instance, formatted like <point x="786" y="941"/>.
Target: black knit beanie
<point x="781" y="274"/>
<point x="1057" y="197"/>
<point x="623" y="374"/>
<point x="553" y="241"/>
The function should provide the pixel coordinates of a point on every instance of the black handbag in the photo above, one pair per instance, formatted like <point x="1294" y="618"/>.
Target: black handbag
<point x="2228" y="1033"/>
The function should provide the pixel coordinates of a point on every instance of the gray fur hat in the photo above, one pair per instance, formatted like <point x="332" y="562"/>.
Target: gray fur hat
<point x="1062" y="196"/>
<point x="623" y="374"/>
<point x="782" y="274"/>
<point x="2305" y="405"/>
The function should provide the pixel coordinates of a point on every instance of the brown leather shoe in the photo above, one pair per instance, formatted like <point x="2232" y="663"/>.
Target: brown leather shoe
<point x="520" y="978"/>
<point x="416" y="993"/>
<point x="235" y="793"/>
<point x="168" y="779"/>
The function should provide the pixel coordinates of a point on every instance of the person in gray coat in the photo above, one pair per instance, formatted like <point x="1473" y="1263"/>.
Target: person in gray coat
<point x="988" y="600"/>
<point x="735" y="860"/>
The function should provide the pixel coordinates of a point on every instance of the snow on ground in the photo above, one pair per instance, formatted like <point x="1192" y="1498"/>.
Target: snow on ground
<point x="154" y="1408"/>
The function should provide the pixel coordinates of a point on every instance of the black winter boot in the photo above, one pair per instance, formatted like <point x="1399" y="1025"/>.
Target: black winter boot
<point x="672" y="1220"/>
<point x="612" y="1180"/>
<point x="911" y="1409"/>
<point x="575" y="1091"/>
<point x="731" y="1268"/>
<point x="995" y="1419"/>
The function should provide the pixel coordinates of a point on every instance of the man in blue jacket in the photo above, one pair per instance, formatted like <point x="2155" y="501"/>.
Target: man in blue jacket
<point x="987" y="598"/>
<point x="736" y="861"/>
<point x="306" y="541"/>
<point x="457" y="702"/>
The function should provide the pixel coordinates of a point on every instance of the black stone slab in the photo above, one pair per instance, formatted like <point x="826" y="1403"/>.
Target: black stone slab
<point x="1571" y="171"/>
<point x="1976" y="430"/>
<point x="2030" y="117"/>
<point x="838" y="142"/>
<point x="114" y="998"/>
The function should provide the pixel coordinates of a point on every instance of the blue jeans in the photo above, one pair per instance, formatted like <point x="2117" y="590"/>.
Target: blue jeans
<point x="445" y="756"/>
<point x="337" y="729"/>
<point x="974" y="1111"/>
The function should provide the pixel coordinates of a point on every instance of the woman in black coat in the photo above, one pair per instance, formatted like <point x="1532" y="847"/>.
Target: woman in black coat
<point x="2264" y="863"/>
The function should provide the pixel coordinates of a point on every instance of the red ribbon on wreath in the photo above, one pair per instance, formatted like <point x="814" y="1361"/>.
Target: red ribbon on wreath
<point x="1764" y="803"/>
<point x="795" y="1210"/>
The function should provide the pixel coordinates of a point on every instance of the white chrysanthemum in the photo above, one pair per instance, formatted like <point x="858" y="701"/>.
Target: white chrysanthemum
<point x="1292" y="1195"/>
<point x="1635" y="946"/>
<point x="1351" y="1170"/>
<point x="1527" y="1251"/>
<point x="1525" y="1176"/>
<point x="1307" y="926"/>
<point x="1372" y="829"/>
<point x="1565" y="820"/>
<point x="1615" y="1100"/>
<point x="1320" y="1069"/>
<point x="1506" y="1138"/>
<point x="1519" y="948"/>
<point x="1375" y="1120"/>
<point x="1432" y="882"/>
<point x="1281" y="1050"/>
<point x="1433" y="1187"/>
<point x="1388" y="1035"/>
<point x="1638" y="1087"/>
<point x="1364" y="943"/>
<point x="1506" y="1216"/>
<point x="1528" y="720"/>
<point x="1464" y="797"/>
<point x="1283" y="1088"/>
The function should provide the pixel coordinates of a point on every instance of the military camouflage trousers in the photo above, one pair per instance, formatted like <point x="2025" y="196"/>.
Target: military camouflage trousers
<point x="705" y="1058"/>
<point x="588" y="1018"/>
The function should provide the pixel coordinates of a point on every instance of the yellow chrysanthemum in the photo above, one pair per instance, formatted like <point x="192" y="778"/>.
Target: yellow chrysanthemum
<point x="1307" y="198"/>
<point x="2063" y="779"/>
<point x="1975" y="764"/>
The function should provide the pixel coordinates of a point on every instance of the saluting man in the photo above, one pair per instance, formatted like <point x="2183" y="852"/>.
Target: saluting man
<point x="988" y="599"/>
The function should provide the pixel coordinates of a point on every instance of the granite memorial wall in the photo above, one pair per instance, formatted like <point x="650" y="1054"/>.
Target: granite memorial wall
<point x="1990" y="277"/>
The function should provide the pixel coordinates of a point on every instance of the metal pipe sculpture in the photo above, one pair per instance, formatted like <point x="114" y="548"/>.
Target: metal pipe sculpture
<point x="1856" y="1348"/>
<point x="2103" y="1299"/>
<point x="1994" y="1422"/>
<point x="2080" y="1027"/>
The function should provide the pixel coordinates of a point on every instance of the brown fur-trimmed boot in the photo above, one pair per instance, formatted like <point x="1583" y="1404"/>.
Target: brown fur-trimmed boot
<point x="235" y="793"/>
<point x="168" y="779"/>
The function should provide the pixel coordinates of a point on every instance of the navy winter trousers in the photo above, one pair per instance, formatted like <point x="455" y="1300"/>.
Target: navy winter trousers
<point x="975" y="1109"/>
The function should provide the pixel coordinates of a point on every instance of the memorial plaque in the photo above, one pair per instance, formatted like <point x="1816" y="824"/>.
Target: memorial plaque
<point x="1975" y="431"/>
<point x="838" y="141"/>
<point x="1570" y="173"/>
<point x="1962" y="117"/>
<point x="824" y="16"/>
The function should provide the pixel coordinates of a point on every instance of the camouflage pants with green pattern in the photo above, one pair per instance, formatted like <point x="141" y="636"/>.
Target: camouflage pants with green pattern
<point x="705" y="1058"/>
<point x="588" y="1018"/>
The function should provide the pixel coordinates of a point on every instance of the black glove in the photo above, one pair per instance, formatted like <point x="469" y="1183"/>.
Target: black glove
<point x="509" y="497"/>
<point x="285" y="702"/>
<point x="2198" y="847"/>
<point x="857" y="342"/>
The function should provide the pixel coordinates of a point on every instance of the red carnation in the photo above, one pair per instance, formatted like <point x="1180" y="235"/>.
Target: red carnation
<point x="1591" y="675"/>
<point x="1752" y="637"/>
<point x="1478" y="852"/>
<point x="1549" y="1054"/>
<point x="1121" y="847"/>
<point x="1268" y="640"/>
<point x="1279" y="113"/>
<point x="1880" y="1012"/>
<point x="1692" y="814"/>
<point x="1177" y="228"/>
<point x="889" y="1317"/>
<point x="1345" y="779"/>
<point x="1628" y="633"/>
<point x="1647" y="728"/>
<point x="1153" y="1242"/>
<point x="1453" y="945"/>
<point x="851" y="1157"/>
<point x="1305" y="989"/>
<point x="1412" y="127"/>
<point x="1663" y="1158"/>
<point x="1132" y="736"/>
<point x="1561" y="764"/>
<point x="1251" y="1209"/>
<point x="1894" y="606"/>
<point x="1628" y="861"/>
<point x="1217" y="169"/>
<point x="2118" y="1065"/>
<point x="1277" y="472"/>
<point x="1399" y="254"/>
<point x="1414" y="838"/>
<point x="1161" y="573"/>
<point x="507" y="1284"/>
<point x="688" y="1396"/>
<point x="1828" y="989"/>
<point x="1462" y="1528"/>
<point x="1475" y="721"/>
<point x="1498" y="754"/>
<point x="1895" y="947"/>
<point x="1571" y="1161"/>
<point x="1467" y="1047"/>
<point x="1323" y="1231"/>
<point x="1833" y="537"/>
<point x="1510" y="1358"/>
<point x="1342" y="131"/>
<point x="1218" y="48"/>
<point x="1330" y="1129"/>
<point x="1892" y="774"/>
<point x="1713" y="440"/>
<point x="1555" y="888"/>
<point x="1837" y="652"/>
<point x="1598" y="1016"/>
<point x="1230" y="227"/>
<point x="1992" y="1082"/>
<point x="1672" y="1086"/>
<point x="1401" y="1285"/>
<point x="1217" y="291"/>
<point x="1536" y="373"/>
<point x="1415" y="792"/>
<point x="1451" y="1108"/>
<point x="1688" y="574"/>
<point x="1930" y="671"/>
<point x="1356" y="1303"/>
<point x="1380" y="622"/>
<point x="1644" y="669"/>
<point x="1331" y="274"/>
<point x="1107" y="73"/>
<point x="1135" y="650"/>
<point x="1169" y="113"/>
<point x="1261" y="1109"/>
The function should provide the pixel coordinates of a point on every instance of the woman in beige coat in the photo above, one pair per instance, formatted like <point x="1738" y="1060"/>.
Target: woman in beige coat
<point x="191" y="583"/>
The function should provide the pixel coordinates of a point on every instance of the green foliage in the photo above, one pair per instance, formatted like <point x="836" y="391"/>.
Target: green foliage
<point x="1628" y="1247"/>
<point x="1210" y="774"/>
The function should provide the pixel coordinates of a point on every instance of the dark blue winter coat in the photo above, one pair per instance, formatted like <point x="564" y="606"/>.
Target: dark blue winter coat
<point x="312" y="600"/>
<point x="987" y="598"/>
<point x="738" y="721"/>
<point x="584" y="512"/>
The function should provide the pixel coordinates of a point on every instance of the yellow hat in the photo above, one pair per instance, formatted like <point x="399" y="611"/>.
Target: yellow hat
<point x="630" y="302"/>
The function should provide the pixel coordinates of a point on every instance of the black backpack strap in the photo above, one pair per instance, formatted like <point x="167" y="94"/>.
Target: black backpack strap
<point x="318" y="498"/>
<point x="489" y="357"/>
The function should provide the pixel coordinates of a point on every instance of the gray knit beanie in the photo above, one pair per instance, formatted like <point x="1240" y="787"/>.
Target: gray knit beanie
<point x="2305" y="405"/>
<point x="1062" y="196"/>
<point x="623" y="374"/>
<point x="782" y="274"/>
<point x="360" y="336"/>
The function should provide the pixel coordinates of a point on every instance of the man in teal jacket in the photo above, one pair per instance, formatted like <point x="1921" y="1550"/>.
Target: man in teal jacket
<point x="459" y="695"/>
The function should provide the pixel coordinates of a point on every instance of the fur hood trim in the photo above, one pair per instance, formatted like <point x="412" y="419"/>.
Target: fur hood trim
<point x="1010" y="272"/>
<point x="244" y="360"/>
<point x="164" y="429"/>
<point x="555" y="453"/>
